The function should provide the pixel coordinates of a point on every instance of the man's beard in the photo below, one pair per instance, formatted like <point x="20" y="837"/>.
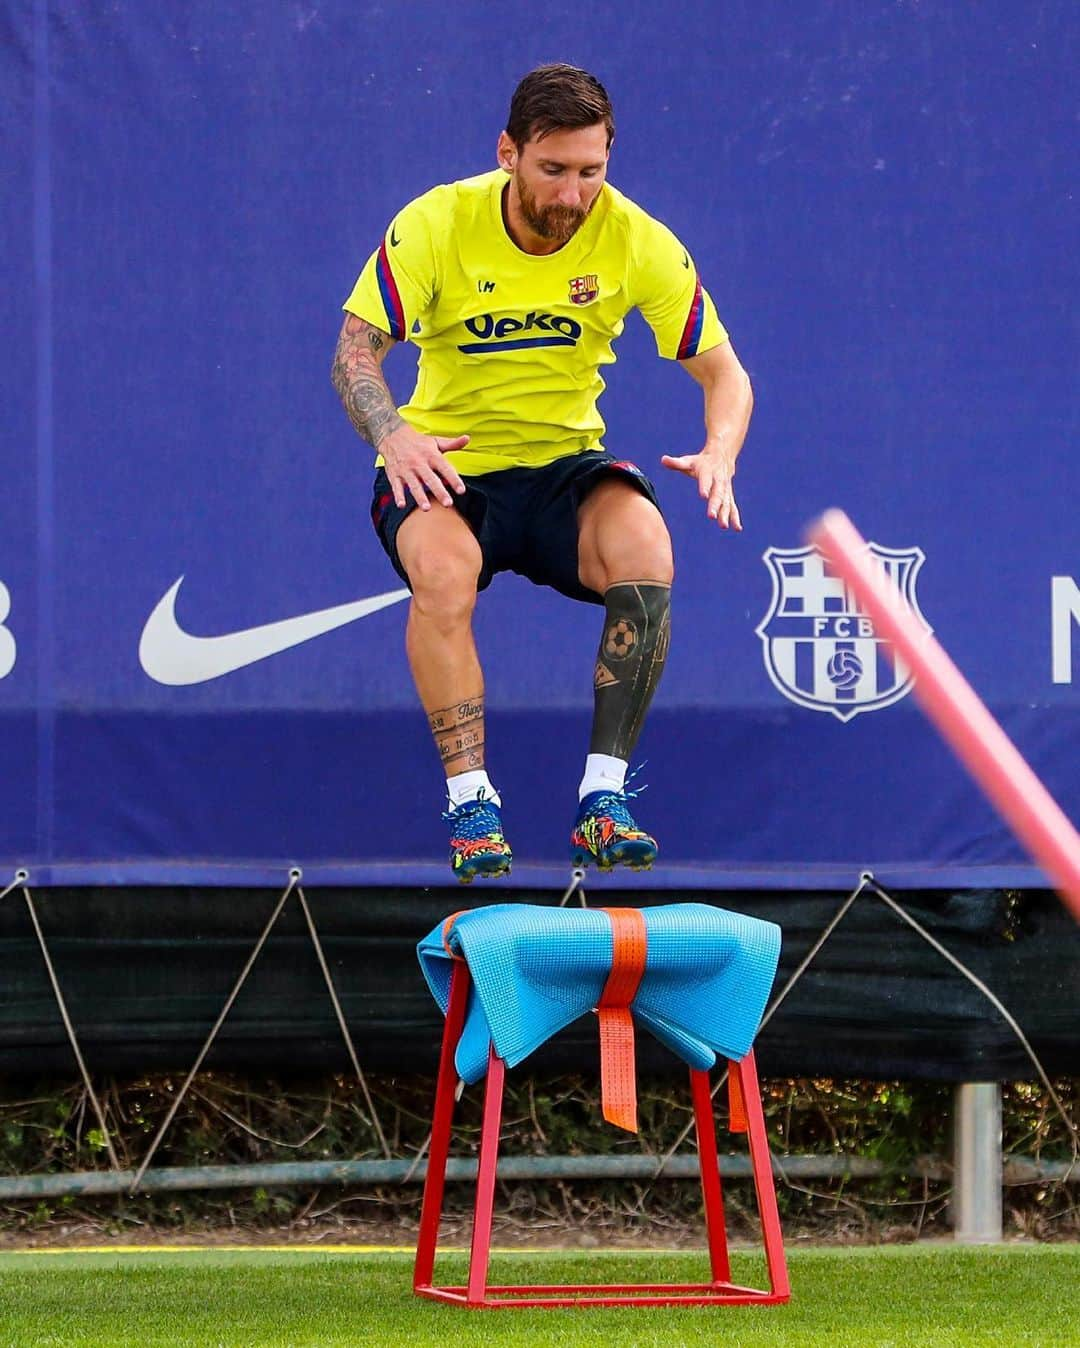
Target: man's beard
<point x="560" y="223"/>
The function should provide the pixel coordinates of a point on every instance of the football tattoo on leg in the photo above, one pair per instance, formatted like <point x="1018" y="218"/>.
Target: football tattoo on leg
<point x="633" y="648"/>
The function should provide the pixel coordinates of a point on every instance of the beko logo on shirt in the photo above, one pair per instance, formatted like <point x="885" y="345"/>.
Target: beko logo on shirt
<point x="509" y="334"/>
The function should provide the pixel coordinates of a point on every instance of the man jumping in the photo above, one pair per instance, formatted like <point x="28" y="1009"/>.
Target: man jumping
<point x="514" y="285"/>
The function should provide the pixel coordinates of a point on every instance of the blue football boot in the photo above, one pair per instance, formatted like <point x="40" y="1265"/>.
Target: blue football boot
<point x="606" y="835"/>
<point x="477" y="845"/>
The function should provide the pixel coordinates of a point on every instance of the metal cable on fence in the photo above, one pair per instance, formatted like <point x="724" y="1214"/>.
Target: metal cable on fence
<point x="991" y="997"/>
<point x="20" y="881"/>
<point x="833" y="923"/>
<point x="867" y="881"/>
<point x="830" y="927"/>
<point x="577" y="879"/>
<point x="339" y="1012"/>
<point x="294" y="880"/>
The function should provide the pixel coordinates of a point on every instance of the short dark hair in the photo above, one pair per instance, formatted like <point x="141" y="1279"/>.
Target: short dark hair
<point x="558" y="98"/>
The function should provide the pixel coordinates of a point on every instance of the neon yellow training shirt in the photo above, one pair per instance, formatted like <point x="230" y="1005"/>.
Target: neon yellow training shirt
<point x="511" y="344"/>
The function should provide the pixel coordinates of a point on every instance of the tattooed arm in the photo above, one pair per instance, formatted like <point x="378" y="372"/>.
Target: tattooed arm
<point x="412" y="460"/>
<point x="358" y="379"/>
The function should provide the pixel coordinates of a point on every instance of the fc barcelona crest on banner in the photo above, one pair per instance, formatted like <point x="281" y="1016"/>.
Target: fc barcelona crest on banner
<point x="820" y="648"/>
<point x="583" y="289"/>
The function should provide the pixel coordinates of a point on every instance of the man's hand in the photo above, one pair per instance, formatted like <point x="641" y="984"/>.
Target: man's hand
<point x="728" y="403"/>
<point x="417" y="462"/>
<point x="713" y="471"/>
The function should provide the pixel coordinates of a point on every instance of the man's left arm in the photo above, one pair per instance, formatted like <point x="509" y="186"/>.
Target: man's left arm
<point x="729" y="401"/>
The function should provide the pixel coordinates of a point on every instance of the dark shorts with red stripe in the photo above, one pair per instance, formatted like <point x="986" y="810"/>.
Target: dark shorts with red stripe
<point x="525" y="519"/>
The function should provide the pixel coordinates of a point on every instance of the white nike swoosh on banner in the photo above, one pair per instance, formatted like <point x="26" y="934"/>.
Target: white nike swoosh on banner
<point x="174" y="657"/>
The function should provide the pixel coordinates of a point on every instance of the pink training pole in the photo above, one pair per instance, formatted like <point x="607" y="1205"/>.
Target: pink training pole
<point x="961" y="718"/>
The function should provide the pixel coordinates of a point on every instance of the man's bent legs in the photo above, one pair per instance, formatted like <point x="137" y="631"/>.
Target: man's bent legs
<point x="624" y="553"/>
<point x="442" y="558"/>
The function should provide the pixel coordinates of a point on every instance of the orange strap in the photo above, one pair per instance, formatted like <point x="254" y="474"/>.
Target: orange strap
<point x="446" y="931"/>
<point x="618" y="1082"/>
<point x="737" y="1120"/>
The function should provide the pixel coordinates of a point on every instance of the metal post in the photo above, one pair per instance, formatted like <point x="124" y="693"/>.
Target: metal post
<point x="977" y="1163"/>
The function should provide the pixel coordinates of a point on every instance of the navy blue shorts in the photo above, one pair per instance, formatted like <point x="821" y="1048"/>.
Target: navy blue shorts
<point x="525" y="519"/>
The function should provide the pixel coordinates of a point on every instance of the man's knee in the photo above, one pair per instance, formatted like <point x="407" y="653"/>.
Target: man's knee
<point x="443" y="565"/>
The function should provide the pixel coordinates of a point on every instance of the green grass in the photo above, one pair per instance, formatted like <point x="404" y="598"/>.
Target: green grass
<point x="850" y="1298"/>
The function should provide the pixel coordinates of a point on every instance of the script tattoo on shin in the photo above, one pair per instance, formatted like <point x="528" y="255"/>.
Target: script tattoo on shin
<point x="359" y="381"/>
<point x="633" y="649"/>
<point x="459" y="734"/>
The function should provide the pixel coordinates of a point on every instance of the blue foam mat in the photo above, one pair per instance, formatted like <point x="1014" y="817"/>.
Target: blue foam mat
<point x="535" y="970"/>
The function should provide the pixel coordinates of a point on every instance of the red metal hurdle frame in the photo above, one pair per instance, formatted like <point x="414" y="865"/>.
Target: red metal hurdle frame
<point x="477" y="1293"/>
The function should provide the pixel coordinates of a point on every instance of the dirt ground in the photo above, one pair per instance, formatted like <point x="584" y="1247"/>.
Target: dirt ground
<point x="600" y="1232"/>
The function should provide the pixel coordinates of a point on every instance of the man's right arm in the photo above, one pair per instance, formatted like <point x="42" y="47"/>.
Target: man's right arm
<point x="357" y="376"/>
<point x="413" y="461"/>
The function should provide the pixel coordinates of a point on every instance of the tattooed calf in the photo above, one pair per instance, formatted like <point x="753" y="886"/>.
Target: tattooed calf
<point x="459" y="734"/>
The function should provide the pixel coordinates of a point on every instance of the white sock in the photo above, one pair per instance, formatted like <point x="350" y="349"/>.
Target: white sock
<point x="468" y="785"/>
<point x="602" y="773"/>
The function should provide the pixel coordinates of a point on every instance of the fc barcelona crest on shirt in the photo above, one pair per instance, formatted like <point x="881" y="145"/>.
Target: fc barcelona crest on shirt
<point x="821" y="649"/>
<point x="583" y="289"/>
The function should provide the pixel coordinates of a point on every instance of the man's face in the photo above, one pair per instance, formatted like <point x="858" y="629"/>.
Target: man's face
<point x="557" y="179"/>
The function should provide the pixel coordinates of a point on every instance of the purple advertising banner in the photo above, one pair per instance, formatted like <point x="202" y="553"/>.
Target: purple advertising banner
<point x="202" y="668"/>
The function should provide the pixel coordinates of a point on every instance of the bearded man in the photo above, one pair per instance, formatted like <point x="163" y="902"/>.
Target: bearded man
<point x="514" y="285"/>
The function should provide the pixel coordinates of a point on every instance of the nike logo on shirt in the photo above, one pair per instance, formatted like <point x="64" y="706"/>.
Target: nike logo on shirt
<point x="176" y="658"/>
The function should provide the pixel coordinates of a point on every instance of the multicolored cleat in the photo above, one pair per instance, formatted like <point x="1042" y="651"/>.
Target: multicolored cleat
<point x="605" y="834"/>
<point x="477" y="845"/>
